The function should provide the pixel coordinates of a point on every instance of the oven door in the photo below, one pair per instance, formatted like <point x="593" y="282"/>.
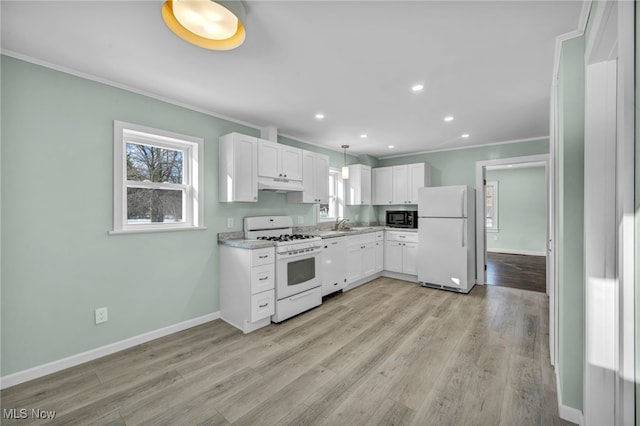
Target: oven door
<point x="297" y="273"/>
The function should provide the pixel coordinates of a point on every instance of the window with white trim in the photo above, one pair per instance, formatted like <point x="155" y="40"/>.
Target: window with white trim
<point x="158" y="180"/>
<point x="491" y="205"/>
<point x="335" y="207"/>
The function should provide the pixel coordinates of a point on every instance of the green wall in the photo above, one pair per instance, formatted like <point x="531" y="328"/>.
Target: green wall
<point x="58" y="261"/>
<point x="522" y="218"/>
<point x="570" y="181"/>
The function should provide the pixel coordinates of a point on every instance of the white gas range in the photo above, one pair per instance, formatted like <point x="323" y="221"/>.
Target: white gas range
<point x="297" y="264"/>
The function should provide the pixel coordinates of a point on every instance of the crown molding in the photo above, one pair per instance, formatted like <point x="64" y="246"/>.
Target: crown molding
<point x="466" y="147"/>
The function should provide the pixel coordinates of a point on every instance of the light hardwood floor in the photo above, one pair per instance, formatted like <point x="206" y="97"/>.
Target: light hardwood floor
<point x="386" y="353"/>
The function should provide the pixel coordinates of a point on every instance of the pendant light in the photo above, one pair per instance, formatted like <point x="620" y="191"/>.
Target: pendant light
<point x="345" y="168"/>
<point x="215" y="25"/>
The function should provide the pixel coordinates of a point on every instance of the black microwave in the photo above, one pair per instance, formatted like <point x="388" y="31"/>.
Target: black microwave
<point x="402" y="218"/>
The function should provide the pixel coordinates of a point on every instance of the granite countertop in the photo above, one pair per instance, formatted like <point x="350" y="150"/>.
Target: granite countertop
<point x="236" y="239"/>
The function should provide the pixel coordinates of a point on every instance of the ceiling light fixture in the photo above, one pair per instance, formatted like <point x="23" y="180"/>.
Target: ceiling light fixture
<point x="319" y="116"/>
<point x="448" y="118"/>
<point x="417" y="87"/>
<point x="363" y="136"/>
<point x="391" y="146"/>
<point x="464" y="135"/>
<point x="215" y="25"/>
<point x="345" y="168"/>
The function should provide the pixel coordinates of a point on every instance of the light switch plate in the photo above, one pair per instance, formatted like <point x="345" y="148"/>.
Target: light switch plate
<point x="229" y="222"/>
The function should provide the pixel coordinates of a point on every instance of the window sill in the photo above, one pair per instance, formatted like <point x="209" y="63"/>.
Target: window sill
<point x="493" y="230"/>
<point x="155" y="230"/>
<point x="327" y="220"/>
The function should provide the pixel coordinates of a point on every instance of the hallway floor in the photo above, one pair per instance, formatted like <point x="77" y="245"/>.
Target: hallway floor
<point x="517" y="271"/>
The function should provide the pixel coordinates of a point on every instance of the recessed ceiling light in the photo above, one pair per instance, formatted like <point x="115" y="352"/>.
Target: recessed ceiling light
<point x="391" y="146"/>
<point x="464" y="135"/>
<point x="417" y="87"/>
<point x="448" y="118"/>
<point x="363" y="136"/>
<point x="319" y="116"/>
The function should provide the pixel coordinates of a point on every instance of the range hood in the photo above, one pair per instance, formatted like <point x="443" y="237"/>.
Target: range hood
<point x="279" y="184"/>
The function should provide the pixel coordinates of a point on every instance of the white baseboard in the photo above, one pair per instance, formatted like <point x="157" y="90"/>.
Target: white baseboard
<point x="525" y="252"/>
<point x="90" y="355"/>
<point x="569" y="414"/>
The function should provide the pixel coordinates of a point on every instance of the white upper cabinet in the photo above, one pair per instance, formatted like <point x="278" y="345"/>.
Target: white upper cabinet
<point x="237" y="168"/>
<point x="315" y="179"/>
<point x="279" y="161"/>
<point x="399" y="184"/>
<point x="358" y="186"/>
<point x="382" y="185"/>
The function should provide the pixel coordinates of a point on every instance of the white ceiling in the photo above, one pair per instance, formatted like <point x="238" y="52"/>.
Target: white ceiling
<point x="489" y="64"/>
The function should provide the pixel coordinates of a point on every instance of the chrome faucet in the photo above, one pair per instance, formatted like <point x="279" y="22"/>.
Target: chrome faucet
<point x="339" y="223"/>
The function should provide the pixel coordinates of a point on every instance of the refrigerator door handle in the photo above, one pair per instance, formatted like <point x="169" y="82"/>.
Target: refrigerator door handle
<point x="464" y="225"/>
<point x="464" y="193"/>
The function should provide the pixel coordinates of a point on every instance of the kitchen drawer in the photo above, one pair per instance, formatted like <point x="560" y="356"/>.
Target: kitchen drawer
<point x="368" y="238"/>
<point x="262" y="305"/>
<point x="409" y="237"/>
<point x="262" y="256"/>
<point x="262" y="278"/>
<point x="380" y="236"/>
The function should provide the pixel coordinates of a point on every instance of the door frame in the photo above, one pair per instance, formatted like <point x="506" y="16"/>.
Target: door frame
<point x="612" y="38"/>
<point x="481" y="243"/>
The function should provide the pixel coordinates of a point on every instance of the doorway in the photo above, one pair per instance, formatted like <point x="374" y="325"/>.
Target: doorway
<point x="515" y="225"/>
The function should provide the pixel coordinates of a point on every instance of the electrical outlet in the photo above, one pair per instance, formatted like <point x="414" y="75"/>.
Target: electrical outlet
<point x="300" y="220"/>
<point x="101" y="315"/>
<point x="495" y="238"/>
<point x="229" y="222"/>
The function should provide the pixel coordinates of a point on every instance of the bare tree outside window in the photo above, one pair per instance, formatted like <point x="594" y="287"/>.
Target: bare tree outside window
<point x="146" y="163"/>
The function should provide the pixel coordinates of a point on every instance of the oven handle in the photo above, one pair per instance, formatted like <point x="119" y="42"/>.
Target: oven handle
<point x="313" y="252"/>
<point x="301" y="295"/>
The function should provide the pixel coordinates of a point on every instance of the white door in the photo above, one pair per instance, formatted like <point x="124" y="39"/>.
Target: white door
<point x="379" y="256"/>
<point x="365" y="176"/>
<point x="382" y="185"/>
<point x="354" y="262"/>
<point x="400" y="185"/>
<point x="369" y="259"/>
<point x="291" y="162"/>
<point x="415" y="179"/>
<point x="410" y="258"/>
<point x="322" y="178"/>
<point x="393" y="256"/>
<point x="443" y="201"/>
<point x="246" y="162"/>
<point x="268" y="159"/>
<point x="309" y="175"/>
<point x="442" y="256"/>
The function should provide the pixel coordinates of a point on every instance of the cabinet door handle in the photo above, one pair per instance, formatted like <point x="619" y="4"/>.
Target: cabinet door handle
<point x="263" y="306"/>
<point x="264" y="278"/>
<point x="285" y="175"/>
<point x="264" y="256"/>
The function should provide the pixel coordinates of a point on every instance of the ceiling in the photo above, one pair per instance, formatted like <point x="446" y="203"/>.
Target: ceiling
<point x="488" y="64"/>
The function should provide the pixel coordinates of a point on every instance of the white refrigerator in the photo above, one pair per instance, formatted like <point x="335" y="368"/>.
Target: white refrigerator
<point x="446" y="243"/>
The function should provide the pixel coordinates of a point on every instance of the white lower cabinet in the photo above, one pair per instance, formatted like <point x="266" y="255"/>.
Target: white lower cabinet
<point x="401" y="252"/>
<point x="247" y="287"/>
<point x="363" y="256"/>
<point x="379" y="253"/>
